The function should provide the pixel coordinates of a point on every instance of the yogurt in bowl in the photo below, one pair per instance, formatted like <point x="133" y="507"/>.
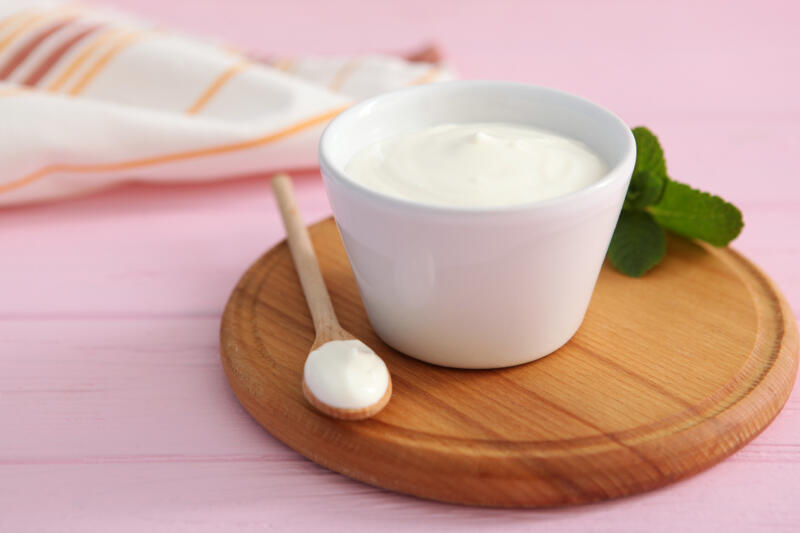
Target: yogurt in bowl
<point x="476" y="164"/>
<point x="476" y="215"/>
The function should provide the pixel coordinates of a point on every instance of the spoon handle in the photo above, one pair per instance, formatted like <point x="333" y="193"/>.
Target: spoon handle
<point x="305" y="261"/>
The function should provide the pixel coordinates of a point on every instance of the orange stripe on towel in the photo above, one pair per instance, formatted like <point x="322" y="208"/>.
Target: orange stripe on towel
<point x="104" y="60"/>
<point x="344" y="73"/>
<point x="11" y="19"/>
<point x="178" y="156"/>
<point x="81" y="58"/>
<point x="428" y="76"/>
<point x="216" y="85"/>
<point x="284" y="64"/>
<point x="31" y="20"/>
<point x="11" y="91"/>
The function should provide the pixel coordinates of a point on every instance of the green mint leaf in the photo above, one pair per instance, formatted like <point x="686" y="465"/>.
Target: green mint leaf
<point x="697" y="215"/>
<point x="649" y="155"/>
<point x="645" y="189"/>
<point x="638" y="244"/>
<point x="650" y="172"/>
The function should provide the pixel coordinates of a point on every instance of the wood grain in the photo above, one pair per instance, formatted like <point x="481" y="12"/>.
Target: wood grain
<point x="667" y="376"/>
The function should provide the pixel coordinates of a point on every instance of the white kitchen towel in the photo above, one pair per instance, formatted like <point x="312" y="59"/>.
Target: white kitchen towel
<point x="90" y="98"/>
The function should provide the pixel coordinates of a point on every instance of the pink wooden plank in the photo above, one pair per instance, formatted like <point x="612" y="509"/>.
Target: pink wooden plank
<point x="102" y="256"/>
<point x="258" y="495"/>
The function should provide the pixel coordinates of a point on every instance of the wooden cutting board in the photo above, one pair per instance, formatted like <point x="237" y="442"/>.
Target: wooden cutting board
<point x="668" y="375"/>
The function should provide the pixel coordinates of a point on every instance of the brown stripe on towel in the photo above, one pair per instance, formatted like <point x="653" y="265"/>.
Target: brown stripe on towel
<point x="56" y="55"/>
<point x="26" y="50"/>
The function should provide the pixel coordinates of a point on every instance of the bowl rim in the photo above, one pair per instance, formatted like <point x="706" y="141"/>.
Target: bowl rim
<point x="331" y="171"/>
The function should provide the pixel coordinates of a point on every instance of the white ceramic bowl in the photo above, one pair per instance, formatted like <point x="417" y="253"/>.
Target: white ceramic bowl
<point x="476" y="287"/>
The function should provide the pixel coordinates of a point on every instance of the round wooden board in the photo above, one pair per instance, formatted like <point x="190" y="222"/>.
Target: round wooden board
<point x="668" y="375"/>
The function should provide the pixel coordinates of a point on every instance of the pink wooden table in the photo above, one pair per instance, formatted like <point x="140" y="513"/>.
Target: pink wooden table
<point x="114" y="411"/>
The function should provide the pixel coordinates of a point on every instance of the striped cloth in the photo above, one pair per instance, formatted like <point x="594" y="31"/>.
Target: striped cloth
<point x="90" y="98"/>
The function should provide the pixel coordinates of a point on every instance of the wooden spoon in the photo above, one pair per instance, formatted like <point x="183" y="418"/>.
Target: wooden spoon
<point x="326" y="325"/>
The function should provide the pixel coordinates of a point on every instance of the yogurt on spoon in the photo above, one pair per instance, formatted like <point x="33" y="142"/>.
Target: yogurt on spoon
<point x="346" y="374"/>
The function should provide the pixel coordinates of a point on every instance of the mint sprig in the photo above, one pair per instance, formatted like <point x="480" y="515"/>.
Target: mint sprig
<point x="655" y="203"/>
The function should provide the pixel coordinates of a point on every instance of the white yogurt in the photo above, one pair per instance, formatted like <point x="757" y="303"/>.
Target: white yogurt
<point x="346" y="374"/>
<point x="477" y="165"/>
